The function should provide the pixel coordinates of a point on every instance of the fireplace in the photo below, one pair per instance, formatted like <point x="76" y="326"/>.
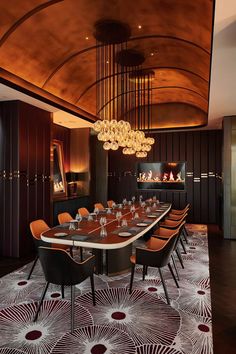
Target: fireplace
<point x="161" y="175"/>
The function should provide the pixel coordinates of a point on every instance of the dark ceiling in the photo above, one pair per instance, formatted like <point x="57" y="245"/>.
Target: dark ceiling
<point x="48" y="47"/>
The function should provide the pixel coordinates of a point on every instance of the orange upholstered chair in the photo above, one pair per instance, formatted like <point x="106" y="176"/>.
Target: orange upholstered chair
<point x="110" y="203"/>
<point x="83" y="212"/>
<point x="99" y="206"/>
<point x="36" y="228"/>
<point x="64" y="217"/>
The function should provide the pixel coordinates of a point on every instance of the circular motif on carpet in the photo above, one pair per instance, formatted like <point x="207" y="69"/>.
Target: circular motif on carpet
<point x="18" y="328"/>
<point x="154" y="287"/>
<point x="85" y="286"/>
<point x="157" y="349"/>
<point x="95" y="340"/>
<point x="134" y="314"/>
<point x="195" y="299"/>
<point x="199" y="331"/>
<point x="15" y="289"/>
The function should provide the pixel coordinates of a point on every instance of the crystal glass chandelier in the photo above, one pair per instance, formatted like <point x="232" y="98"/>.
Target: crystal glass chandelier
<point x="120" y="90"/>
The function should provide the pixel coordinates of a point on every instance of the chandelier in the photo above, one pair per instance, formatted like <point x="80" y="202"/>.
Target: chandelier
<point x="123" y="91"/>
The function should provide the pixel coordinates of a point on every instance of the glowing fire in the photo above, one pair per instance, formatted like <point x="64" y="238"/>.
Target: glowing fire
<point x="166" y="177"/>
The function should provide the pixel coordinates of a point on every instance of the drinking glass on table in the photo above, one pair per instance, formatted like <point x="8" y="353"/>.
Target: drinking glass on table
<point x="96" y="211"/>
<point x="133" y="199"/>
<point x="124" y="202"/>
<point x="118" y="217"/>
<point x="79" y="218"/>
<point x="103" y="222"/>
<point x="143" y="206"/>
<point x="124" y="223"/>
<point x="136" y="216"/>
<point x="113" y="206"/>
<point x="132" y="209"/>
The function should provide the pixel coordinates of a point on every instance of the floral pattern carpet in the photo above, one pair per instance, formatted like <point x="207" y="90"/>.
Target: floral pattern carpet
<point x="120" y="323"/>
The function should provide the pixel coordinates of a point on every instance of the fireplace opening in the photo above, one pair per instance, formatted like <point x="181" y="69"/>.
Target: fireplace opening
<point x="161" y="175"/>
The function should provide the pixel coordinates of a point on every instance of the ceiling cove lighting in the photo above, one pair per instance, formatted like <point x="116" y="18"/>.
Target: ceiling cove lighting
<point x="123" y="91"/>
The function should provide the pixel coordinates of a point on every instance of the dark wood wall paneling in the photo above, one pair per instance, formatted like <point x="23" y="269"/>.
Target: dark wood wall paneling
<point x="202" y="151"/>
<point x="25" y="174"/>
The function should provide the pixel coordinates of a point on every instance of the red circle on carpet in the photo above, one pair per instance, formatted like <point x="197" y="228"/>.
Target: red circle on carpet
<point x="22" y="283"/>
<point x="53" y="295"/>
<point x="203" y="328"/>
<point x="33" y="335"/>
<point x="98" y="349"/>
<point x="118" y="315"/>
<point x="201" y="292"/>
<point x="151" y="288"/>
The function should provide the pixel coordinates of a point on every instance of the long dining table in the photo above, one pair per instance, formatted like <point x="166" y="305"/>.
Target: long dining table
<point x="117" y="244"/>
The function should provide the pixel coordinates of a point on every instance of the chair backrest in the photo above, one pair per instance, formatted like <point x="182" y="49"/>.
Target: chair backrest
<point x="157" y="258"/>
<point x="177" y="217"/>
<point x="59" y="268"/>
<point x="64" y="217"/>
<point x="99" y="206"/>
<point x="37" y="227"/>
<point x="173" y="224"/>
<point x="110" y="203"/>
<point x="180" y="211"/>
<point x="83" y="212"/>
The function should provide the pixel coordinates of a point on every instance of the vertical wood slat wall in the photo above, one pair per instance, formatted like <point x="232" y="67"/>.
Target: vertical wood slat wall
<point x="202" y="151"/>
<point x="24" y="174"/>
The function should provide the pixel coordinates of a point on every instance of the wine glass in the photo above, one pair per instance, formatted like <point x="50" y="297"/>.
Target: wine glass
<point x="124" y="202"/>
<point x="96" y="211"/>
<point x="143" y="206"/>
<point x="118" y="217"/>
<point x="103" y="221"/>
<point x="133" y="199"/>
<point x="78" y="218"/>
<point x="132" y="209"/>
<point x="113" y="206"/>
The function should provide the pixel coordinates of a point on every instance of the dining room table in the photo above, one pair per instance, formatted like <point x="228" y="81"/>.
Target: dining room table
<point x="110" y="242"/>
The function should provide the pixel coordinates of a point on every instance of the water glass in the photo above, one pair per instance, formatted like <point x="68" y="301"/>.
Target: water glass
<point x="109" y="211"/>
<point x="132" y="209"/>
<point x="118" y="217"/>
<point x="72" y="225"/>
<point x="133" y="199"/>
<point x="136" y="216"/>
<point x="78" y="218"/>
<point x="148" y="210"/>
<point x="103" y="232"/>
<point x="124" y="222"/>
<point x="90" y="217"/>
<point x="96" y="211"/>
<point x="124" y="202"/>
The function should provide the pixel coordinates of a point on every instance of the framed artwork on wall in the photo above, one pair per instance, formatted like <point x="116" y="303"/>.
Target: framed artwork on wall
<point x="58" y="171"/>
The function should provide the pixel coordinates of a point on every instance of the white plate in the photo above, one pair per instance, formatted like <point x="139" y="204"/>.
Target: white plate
<point x="125" y="234"/>
<point x="60" y="234"/>
<point x="152" y="216"/>
<point x="142" y="224"/>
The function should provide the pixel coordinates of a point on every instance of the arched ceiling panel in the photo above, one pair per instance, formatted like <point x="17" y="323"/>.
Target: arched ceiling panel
<point x="37" y="37"/>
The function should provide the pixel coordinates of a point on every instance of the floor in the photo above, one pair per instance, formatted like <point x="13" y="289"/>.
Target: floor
<point x="222" y="254"/>
<point x="223" y="288"/>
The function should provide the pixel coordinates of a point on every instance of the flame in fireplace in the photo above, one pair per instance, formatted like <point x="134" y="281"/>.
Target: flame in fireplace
<point x="165" y="177"/>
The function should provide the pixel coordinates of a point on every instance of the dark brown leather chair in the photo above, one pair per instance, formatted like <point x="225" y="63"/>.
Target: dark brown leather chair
<point x="61" y="269"/>
<point x="158" y="255"/>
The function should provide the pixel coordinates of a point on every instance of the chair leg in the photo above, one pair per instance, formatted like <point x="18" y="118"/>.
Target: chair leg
<point x="81" y="254"/>
<point x="176" y="270"/>
<point x="180" y="258"/>
<point x="92" y="288"/>
<point x="144" y="271"/>
<point x="131" y="278"/>
<point x="164" y="287"/>
<point x="32" y="268"/>
<point x="62" y="291"/>
<point x="182" y="244"/>
<point x="71" y="251"/>
<point x="185" y="234"/>
<point x="72" y="307"/>
<point x="173" y="275"/>
<point x="41" y="301"/>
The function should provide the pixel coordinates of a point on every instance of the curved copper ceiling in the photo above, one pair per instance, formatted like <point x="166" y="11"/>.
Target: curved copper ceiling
<point x="50" y="44"/>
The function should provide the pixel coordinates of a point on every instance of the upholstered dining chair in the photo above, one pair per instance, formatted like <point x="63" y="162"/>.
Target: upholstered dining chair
<point x="180" y="211"/>
<point x="110" y="203"/>
<point x="64" y="217"/>
<point x="178" y="217"/>
<point x="164" y="233"/>
<point x="36" y="228"/>
<point x="158" y="254"/>
<point x="61" y="269"/>
<point x="173" y="225"/>
<point x="99" y="206"/>
<point x="83" y="212"/>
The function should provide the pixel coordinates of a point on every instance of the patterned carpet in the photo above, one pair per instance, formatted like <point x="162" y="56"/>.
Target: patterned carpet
<point x="120" y="323"/>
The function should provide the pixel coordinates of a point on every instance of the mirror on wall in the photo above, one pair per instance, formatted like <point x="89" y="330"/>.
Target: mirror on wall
<point x="58" y="171"/>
